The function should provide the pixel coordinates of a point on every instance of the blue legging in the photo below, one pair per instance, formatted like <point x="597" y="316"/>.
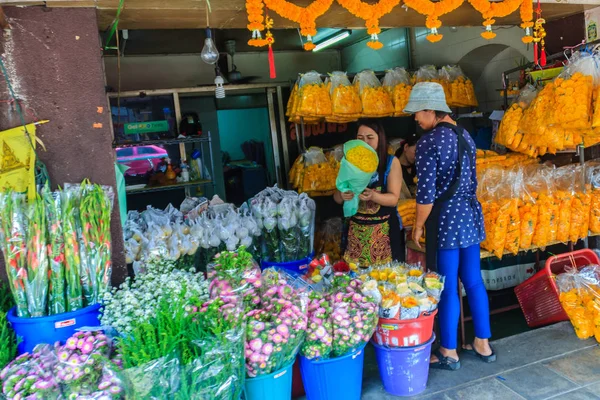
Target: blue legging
<point x="466" y="263"/>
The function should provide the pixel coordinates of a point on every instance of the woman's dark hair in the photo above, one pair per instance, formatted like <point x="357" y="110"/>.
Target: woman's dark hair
<point x="382" y="150"/>
<point x="441" y="114"/>
<point x="409" y="141"/>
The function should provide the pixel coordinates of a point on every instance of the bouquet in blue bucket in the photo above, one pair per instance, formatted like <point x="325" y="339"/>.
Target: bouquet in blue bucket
<point x="275" y="331"/>
<point x="341" y="319"/>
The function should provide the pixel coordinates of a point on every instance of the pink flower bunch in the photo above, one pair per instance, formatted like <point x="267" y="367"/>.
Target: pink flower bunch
<point x="341" y="321"/>
<point x="235" y="274"/>
<point x="31" y="376"/>
<point x="354" y="319"/>
<point x="84" y="367"/>
<point x="274" y="332"/>
<point x="319" y="331"/>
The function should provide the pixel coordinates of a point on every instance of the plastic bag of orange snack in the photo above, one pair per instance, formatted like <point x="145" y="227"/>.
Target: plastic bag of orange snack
<point x="315" y="101"/>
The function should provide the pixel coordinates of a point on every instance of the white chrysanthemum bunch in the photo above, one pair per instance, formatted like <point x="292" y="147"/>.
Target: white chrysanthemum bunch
<point x="137" y="300"/>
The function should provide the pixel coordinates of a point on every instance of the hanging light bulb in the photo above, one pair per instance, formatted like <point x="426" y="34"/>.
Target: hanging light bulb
<point x="219" y="90"/>
<point x="209" y="54"/>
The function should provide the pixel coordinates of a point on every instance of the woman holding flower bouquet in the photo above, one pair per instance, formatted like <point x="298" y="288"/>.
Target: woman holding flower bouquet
<point x="447" y="206"/>
<point x="374" y="233"/>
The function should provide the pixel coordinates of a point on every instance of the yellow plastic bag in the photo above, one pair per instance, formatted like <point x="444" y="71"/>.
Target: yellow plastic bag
<point x="345" y="102"/>
<point x="315" y="101"/>
<point x="17" y="160"/>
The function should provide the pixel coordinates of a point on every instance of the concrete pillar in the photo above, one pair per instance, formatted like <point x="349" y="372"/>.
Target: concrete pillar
<point x="54" y="62"/>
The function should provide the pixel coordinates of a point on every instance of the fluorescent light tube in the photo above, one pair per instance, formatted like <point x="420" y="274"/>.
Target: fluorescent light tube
<point x="332" y="40"/>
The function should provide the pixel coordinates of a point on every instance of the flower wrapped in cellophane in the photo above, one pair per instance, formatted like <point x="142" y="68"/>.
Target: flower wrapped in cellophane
<point x="495" y="204"/>
<point x="398" y="83"/>
<point x="314" y="171"/>
<point x="292" y="106"/>
<point x="376" y="101"/>
<point x="345" y="101"/>
<point x="314" y="99"/>
<point x="508" y="132"/>
<point x="356" y="169"/>
<point x="461" y="90"/>
<point x="275" y="330"/>
<point x="573" y="93"/>
<point x="580" y="298"/>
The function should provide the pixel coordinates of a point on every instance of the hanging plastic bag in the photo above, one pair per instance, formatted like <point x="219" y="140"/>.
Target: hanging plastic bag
<point x="398" y="83"/>
<point x="580" y="206"/>
<point x="427" y="73"/>
<point x="345" y="100"/>
<point x="574" y="87"/>
<point x="594" y="181"/>
<point x="508" y="131"/>
<point x="376" y="101"/>
<point x="565" y="191"/>
<point x="580" y="298"/>
<point x="356" y="170"/>
<point x="492" y="192"/>
<point x="315" y="101"/>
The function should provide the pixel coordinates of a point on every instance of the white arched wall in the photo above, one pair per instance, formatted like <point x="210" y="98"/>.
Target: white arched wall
<point x="482" y="60"/>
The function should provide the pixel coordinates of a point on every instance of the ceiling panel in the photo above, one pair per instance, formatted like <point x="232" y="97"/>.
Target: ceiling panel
<point x="230" y="14"/>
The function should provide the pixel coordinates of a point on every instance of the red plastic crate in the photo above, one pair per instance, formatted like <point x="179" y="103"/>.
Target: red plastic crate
<point x="538" y="295"/>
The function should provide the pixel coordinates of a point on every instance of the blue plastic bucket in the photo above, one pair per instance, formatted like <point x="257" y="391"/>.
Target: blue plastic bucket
<point x="51" y="329"/>
<point x="275" y="386"/>
<point x="404" y="370"/>
<point x="296" y="267"/>
<point x="334" y="379"/>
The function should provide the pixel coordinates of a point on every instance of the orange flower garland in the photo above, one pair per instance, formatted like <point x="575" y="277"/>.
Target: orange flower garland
<point x="433" y="11"/>
<point x="371" y="13"/>
<point x="305" y="16"/>
<point x="491" y="10"/>
<point x="256" y="22"/>
<point x="526" y="12"/>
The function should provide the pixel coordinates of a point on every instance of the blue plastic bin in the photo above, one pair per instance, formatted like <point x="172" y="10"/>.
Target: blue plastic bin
<point x="275" y="386"/>
<point x="51" y="329"/>
<point x="296" y="267"/>
<point x="334" y="379"/>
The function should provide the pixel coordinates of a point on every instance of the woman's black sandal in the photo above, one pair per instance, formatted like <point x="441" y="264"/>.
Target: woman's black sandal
<point x="447" y="363"/>
<point x="486" y="359"/>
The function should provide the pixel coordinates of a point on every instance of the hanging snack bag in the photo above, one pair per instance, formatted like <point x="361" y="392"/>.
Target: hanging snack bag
<point x="315" y="101"/>
<point x="376" y="101"/>
<point x="594" y="182"/>
<point x="564" y="193"/>
<point x="345" y="100"/>
<point x="580" y="206"/>
<point x="398" y="84"/>
<point x="292" y="105"/>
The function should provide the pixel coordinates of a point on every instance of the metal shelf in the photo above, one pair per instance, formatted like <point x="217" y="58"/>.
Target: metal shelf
<point x="178" y="185"/>
<point x="163" y="142"/>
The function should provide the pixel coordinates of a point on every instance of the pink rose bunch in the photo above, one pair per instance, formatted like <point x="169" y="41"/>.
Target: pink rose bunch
<point x="274" y="332"/>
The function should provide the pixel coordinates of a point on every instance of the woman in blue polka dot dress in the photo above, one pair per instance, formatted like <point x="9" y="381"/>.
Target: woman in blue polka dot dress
<point x="448" y="208"/>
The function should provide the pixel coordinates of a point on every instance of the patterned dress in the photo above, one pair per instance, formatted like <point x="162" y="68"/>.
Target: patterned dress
<point x="461" y="218"/>
<point x="375" y="233"/>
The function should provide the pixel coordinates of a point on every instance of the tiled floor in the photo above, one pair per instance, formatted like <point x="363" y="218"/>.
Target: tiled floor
<point x="546" y="363"/>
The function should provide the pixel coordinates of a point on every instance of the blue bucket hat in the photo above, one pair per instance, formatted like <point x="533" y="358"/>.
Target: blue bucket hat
<point x="427" y="96"/>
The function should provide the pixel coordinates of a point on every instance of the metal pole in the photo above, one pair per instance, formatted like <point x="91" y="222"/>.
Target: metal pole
<point x="274" y="138"/>
<point x="282" y="126"/>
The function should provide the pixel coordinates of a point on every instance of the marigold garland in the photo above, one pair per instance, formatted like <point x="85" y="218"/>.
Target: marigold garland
<point x="433" y="11"/>
<point x="526" y="12"/>
<point x="371" y="13"/>
<point x="256" y="22"/>
<point x="491" y="10"/>
<point x="305" y="16"/>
